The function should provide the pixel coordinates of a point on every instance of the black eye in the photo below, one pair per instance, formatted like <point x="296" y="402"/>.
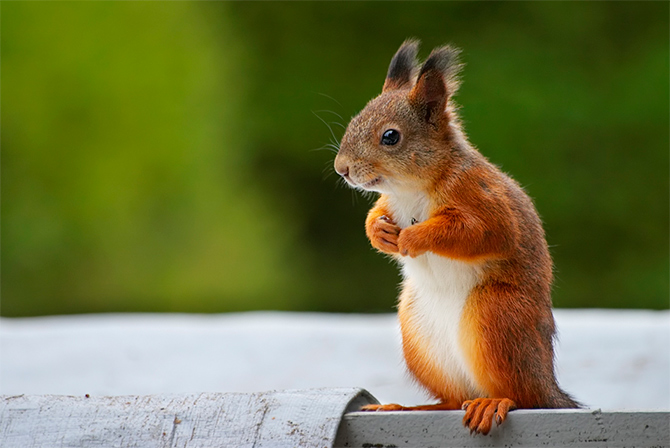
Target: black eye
<point x="390" y="137"/>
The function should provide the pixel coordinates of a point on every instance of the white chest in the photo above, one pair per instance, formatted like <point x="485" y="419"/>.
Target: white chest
<point x="440" y="287"/>
<point x="409" y="208"/>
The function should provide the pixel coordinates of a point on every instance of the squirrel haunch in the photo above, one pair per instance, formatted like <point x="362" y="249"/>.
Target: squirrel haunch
<point x="475" y="309"/>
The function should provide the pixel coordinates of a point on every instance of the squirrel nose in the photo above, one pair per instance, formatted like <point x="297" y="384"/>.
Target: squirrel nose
<point x="342" y="168"/>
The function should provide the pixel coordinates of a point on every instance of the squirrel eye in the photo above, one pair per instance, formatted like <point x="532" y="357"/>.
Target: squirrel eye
<point x="390" y="137"/>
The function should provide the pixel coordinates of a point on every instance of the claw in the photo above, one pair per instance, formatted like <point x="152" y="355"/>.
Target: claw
<point x="504" y="407"/>
<point x="387" y="219"/>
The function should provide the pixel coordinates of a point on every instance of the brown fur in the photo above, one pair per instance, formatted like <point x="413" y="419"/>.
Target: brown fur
<point x="477" y="215"/>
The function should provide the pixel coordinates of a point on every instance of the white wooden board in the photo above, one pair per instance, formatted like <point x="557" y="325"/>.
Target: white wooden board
<point x="523" y="428"/>
<point x="308" y="418"/>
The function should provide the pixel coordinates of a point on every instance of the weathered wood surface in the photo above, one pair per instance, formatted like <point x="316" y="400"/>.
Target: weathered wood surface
<point x="303" y="418"/>
<point x="307" y="418"/>
<point x="523" y="428"/>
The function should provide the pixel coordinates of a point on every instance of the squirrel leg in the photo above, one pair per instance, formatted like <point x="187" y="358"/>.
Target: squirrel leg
<point x="446" y="406"/>
<point x="479" y="413"/>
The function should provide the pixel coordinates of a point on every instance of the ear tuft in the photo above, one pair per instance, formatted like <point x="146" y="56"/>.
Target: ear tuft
<point x="446" y="61"/>
<point x="403" y="68"/>
<point x="437" y="82"/>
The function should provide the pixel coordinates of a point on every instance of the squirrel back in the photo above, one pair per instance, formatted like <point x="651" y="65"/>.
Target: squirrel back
<point x="475" y="309"/>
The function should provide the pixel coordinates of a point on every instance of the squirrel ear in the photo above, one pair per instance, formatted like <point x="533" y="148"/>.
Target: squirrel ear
<point x="403" y="66"/>
<point x="437" y="83"/>
<point x="429" y="95"/>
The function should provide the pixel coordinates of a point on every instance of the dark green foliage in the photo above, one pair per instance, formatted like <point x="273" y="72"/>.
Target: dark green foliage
<point x="162" y="156"/>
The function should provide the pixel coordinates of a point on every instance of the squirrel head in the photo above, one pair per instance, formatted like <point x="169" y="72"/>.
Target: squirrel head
<point x="405" y="135"/>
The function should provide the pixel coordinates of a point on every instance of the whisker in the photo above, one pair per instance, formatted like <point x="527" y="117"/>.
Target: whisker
<point x="338" y="116"/>
<point x="328" y="170"/>
<point x="328" y="148"/>
<point x="327" y="125"/>
<point x="342" y="183"/>
<point x="331" y="112"/>
<point x="329" y="97"/>
<point x="370" y="196"/>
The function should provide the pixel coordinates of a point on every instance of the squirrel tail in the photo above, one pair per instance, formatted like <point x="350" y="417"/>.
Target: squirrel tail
<point x="562" y="400"/>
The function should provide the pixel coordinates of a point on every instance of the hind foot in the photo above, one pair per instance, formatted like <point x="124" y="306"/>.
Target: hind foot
<point x="397" y="407"/>
<point x="479" y="413"/>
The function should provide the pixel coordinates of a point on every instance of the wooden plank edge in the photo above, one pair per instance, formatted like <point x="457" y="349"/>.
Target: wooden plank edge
<point x="523" y="428"/>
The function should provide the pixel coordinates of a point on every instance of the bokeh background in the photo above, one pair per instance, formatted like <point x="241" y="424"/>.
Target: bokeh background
<point x="165" y="156"/>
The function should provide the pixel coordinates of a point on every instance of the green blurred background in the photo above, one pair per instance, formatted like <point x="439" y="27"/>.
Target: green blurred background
<point x="162" y="156"/>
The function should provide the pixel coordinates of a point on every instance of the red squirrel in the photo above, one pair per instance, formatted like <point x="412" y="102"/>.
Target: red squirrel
<point x="475" y="307"/>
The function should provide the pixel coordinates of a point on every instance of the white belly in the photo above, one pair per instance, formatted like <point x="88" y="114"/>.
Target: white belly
<point x="441" y="286"/>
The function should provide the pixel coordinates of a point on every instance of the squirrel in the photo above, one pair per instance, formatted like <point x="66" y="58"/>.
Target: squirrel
<point x="475" y="306"/>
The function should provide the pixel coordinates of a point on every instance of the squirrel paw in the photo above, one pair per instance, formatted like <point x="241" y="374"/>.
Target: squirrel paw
<point x="479" y="413"/>
<point x="383" y="234"/>
<point x="410" y="243"/>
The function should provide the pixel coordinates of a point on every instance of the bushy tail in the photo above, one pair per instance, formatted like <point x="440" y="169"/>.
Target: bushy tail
<point x="562" y="400"/>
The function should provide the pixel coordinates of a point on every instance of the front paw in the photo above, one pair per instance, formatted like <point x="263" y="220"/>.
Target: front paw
<point x="410" y="243"/>
<point x="383" y="234"/>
